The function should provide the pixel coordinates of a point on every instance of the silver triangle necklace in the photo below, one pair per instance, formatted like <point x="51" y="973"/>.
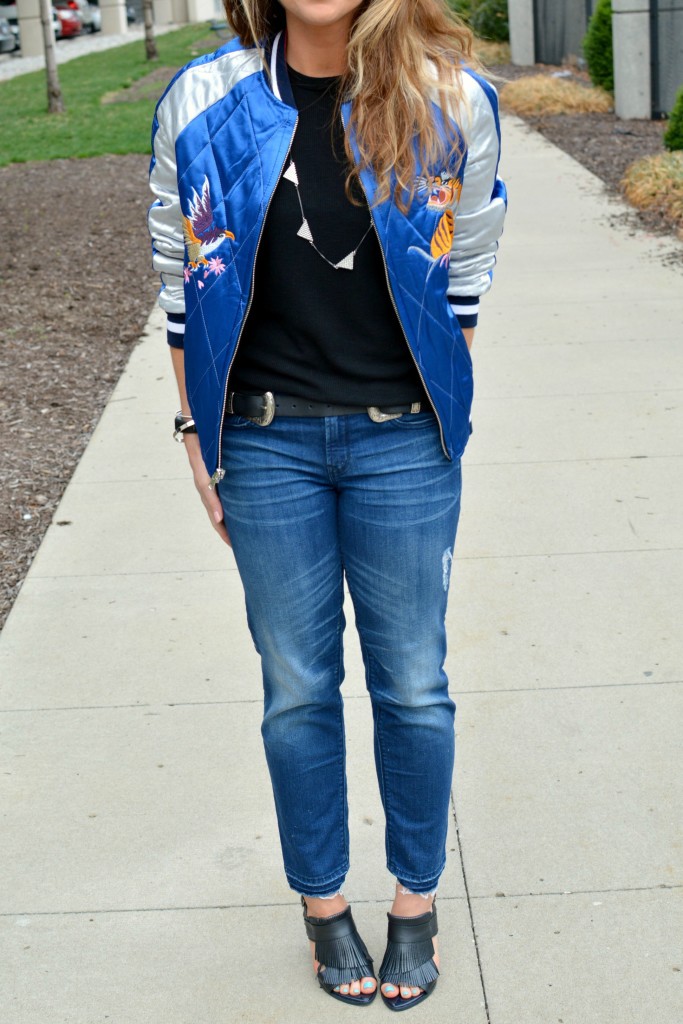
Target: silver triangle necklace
<point x="346" y="262"/>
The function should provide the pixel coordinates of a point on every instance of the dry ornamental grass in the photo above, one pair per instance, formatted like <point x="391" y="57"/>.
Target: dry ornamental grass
<point x="535" y="95"/>
<point x="492" y="53"/>
<point x="656" y="183"/>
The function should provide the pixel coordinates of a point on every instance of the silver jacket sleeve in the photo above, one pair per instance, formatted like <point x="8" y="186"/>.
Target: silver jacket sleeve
<point x="481" y="210"/>
<point x="165" y="220"/>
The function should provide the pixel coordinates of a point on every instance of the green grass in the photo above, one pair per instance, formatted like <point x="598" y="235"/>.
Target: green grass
<point x="89" y="127"/>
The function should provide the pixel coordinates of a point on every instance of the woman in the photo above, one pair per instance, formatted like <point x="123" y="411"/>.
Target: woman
<point x="327" y="216"/>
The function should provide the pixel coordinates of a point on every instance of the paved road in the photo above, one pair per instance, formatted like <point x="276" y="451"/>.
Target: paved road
<point x="141" y="875"/>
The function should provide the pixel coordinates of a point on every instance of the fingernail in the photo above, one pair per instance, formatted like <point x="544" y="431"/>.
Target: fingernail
<point x="217" y="516"/>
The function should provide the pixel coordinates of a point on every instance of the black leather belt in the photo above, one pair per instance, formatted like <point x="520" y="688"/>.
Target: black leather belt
<point x="262" y="409"/>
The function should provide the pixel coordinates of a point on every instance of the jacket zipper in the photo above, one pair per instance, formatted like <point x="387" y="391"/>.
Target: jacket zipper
<point x="219" y="472"/>
<point x="398" y="316"/>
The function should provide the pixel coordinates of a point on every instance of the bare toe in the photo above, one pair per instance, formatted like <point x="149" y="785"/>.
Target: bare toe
<point x="368" y="985"/>
<point x="389" y="990"/>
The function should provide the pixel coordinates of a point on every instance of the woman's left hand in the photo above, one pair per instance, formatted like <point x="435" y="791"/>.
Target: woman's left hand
<point x="210" y="499"/>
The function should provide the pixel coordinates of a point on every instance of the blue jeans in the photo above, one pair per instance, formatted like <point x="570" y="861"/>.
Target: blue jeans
<point x="307" y="501"/>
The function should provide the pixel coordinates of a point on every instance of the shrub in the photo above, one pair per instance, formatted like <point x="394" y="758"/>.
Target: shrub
<point x="536" y="95"/>
<point x="491" y="53"/>
<point x="656" y="183"/>
<point x="487" y="18"/>
<point x="597" y="46"/>
<point x="490" y="20"/>
<point x="673" y="136"/>
<point x="463" y="8"/>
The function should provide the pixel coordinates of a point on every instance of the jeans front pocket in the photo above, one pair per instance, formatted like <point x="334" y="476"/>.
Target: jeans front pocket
<point x="232" y="420"/>
<point x="415" y="420"/>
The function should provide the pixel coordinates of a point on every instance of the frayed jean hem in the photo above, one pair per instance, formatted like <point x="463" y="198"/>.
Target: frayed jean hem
<point x="421" y="886"/>
<point x="317" y="888"/>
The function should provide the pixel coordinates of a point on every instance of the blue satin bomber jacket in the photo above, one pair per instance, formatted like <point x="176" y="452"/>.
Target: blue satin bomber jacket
<point x="221" y="136"/>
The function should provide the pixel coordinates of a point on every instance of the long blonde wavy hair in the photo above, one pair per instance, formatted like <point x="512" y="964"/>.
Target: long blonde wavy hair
<point x="400" y="54"/>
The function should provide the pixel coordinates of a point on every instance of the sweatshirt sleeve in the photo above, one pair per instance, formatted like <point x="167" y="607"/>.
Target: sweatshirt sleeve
<point x="166" y="228"/>
<point x="480" y="211"/>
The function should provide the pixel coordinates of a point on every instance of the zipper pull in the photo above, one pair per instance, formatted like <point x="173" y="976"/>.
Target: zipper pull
<point x="216" y="478"/>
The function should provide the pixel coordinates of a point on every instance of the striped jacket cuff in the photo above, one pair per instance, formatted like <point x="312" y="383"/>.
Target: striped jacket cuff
<point x="466" y="309"/>
<point x="175" y="329"/>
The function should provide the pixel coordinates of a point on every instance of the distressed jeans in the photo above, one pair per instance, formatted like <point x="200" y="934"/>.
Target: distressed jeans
<point x="308" y="502"/>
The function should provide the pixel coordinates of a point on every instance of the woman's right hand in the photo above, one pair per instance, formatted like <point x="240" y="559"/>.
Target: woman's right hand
<point x="210" y="499"/>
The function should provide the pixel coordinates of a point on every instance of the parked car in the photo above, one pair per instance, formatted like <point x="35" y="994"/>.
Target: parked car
<point x="70" y="22"/>
<point x="7" y="38"/>
<point x="8" y="12"/>
<point x="81" y="8"/>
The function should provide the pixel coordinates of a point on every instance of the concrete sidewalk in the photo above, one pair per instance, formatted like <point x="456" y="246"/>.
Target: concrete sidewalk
<point x="12" y="65"/>
<point x="141" y="871"/>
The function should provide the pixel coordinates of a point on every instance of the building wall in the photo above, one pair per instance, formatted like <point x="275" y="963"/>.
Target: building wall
<point x="667" y="46"/>
<point x="560" y="26"/>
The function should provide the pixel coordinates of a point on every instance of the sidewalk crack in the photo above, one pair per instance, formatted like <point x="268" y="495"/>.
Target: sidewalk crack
<point x="469" y="909"/>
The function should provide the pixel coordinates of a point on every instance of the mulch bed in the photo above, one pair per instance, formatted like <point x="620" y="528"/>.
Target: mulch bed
<point x="604" y="145"/>
<point x="76" y="288"/>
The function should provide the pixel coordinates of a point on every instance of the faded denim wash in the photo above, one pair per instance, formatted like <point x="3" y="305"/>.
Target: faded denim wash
<point x="307" y="502"/>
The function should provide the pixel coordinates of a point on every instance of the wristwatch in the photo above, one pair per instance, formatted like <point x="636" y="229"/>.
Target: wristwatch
<point x="183" y="425"/>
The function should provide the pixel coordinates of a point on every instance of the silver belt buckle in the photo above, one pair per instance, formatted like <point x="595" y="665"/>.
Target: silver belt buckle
<point x="377" y="416"/>
<point x="268" y="413"/>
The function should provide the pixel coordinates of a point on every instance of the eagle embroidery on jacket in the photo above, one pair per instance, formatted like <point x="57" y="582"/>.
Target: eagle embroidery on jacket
<point x="202" y="236"/>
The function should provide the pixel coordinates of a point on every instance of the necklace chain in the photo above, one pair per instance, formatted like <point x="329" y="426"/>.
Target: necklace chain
<point x="346" y="262"/>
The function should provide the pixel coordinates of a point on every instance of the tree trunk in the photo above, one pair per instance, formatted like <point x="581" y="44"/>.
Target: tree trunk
<point x="150" y="42"/>
<point x="55" y="103"/>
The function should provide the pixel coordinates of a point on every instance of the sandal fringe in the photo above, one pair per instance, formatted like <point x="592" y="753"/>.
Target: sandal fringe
<point x="409" y="958"/>
<point x="341" y="953"/>
<point x="409" y="964"/>
<point x="345" y="959"/>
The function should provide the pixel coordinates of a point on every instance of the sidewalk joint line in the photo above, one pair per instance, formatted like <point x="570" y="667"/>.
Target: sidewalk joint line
<point x="578" y="394"/>
<point x="566" y="554"/>
<point x="231" y="569"/>
<point x="131" y="572"/>
<point x="118" y="707"/>
<point x="469" y="909"/>
<point x="185" y="909"/>
<point x="660" y="886"/>
<point x="570" y="686"/>
<point x="588" y="460"/>
<point x="349" y="696"/>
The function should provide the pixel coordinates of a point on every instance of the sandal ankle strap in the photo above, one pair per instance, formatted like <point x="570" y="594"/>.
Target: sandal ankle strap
<point x="327" y="929"/>
<point x="413" y="929"/>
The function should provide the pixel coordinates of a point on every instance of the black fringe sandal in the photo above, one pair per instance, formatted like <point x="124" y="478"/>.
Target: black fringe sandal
<point x="341" y="951"/>
<point x="409" y="958"/>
